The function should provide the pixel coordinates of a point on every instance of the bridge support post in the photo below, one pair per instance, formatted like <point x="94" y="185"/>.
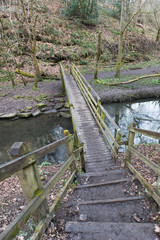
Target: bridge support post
<point x="118" y="139"/>
<point x="131" y="136"/>
<point x="30" y="180"/>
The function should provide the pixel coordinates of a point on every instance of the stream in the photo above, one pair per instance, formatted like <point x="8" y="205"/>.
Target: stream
<point x="36" y="132"/>
<point x="42" y="130"/>
<point x="146" y="115"/>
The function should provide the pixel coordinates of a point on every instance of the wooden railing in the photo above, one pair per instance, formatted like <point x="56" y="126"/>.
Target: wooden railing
<point x="132" y="151"/>
<point x="26" y="169"/>
<point x="98" y="111"/>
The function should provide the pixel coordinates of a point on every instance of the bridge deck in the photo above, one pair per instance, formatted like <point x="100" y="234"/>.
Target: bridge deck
<point x="106" y="204"/>
<point x="98" y="156"/>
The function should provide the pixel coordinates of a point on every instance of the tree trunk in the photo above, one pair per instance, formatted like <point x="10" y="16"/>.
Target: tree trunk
<point x="158" y="35"/>
<point x="120" y="46"/>
<point x="119" y="57"/>
<point x="98" y="56"/>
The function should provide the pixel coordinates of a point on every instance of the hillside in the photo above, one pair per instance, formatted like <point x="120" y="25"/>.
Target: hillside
<point x="67" y="40"/>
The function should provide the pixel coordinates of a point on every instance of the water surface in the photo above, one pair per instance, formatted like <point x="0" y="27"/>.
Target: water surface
<point x="36" y="132"/>
<point x="146" y="115"/>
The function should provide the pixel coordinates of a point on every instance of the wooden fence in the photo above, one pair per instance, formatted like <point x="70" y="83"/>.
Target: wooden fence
<point x="25" y="167"/>
<point x="98" y="111"/>
<point x="132" y="151"/>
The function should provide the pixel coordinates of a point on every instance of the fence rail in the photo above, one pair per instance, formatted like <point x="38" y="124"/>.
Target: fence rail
<point x="98" y="111"/>
<point x="155" y="167"/>
<point x="26" y="169"/>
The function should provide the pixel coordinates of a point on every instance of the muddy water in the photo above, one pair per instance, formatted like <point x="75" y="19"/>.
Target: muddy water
<point x="36" y="132"/>
<point x="146" y="115"/>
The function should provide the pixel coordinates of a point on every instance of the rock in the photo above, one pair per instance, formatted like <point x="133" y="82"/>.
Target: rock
<point x="64" y="110"/>
<point x="51" y="111"/>
<point x="28" y="108"/>
<point x="66" y="104"/>
<point x="65" y="115"/>
<point x="36" y="113"/>
<point x="40" y="105"/>
<point x="59" y="105"/>
<point x="21" y="207"/>
<point x="83" y="217"/>
<point x="9" y="115"/>
<point x="24" y="115"/>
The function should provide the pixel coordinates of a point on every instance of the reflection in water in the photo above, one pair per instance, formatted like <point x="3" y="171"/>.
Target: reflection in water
<point x="146" y="115"/>
<point x="36" y="132"/>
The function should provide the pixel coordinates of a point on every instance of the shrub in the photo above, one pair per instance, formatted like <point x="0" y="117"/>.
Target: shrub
<point x="84" y="10"/>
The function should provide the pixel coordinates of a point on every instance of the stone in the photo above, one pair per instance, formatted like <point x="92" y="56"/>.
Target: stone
<point x="40" y="105"/>
<point x="65" y="115"/>
<point x="66" y="104"/>
<point x="9" y="115"/>
<point x="83" y="217"/>
<point x="59" y="105"/>
<point x="24" y="115"/>
<point x="36" y="113"/>
<point x="51" y="111"/>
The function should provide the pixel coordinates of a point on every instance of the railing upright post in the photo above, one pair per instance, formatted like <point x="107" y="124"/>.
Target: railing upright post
<point x="98" y="107"/>
<point x="62" y="78"/>
<point x="69" y="148"/>
<point x="131" y="136"/>
<point x="118" y="139"/>
<point x="30" y="180"/>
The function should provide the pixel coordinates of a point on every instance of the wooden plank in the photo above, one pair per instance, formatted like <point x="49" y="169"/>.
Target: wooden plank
<point x="9" y="168"/>
<point x="12" y="230"/>
<point x="111" y="230"/>
<point x="147" y="161"/>
<point x="103" y="183"/>
<point x="111" y="200"/>
<point x="147" y="133"/>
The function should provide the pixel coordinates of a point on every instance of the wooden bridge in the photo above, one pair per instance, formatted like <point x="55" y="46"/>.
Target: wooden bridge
<point x="108" y="208"/>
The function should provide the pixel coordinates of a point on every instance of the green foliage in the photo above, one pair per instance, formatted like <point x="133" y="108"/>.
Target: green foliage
<point x="84" y="10"/>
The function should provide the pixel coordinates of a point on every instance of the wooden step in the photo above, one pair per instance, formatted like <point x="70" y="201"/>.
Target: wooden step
<point x="111" y="231"/>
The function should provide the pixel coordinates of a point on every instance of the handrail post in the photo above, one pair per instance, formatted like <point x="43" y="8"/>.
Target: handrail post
<point x="30" y="180"/>
<point x="98" y="106"/>
<point x="118" y="139"/>
<point x="69" y="148"/>
<point x="131" y="136"/>
<point x="62" y="78"/>
<point x="158" y="185"/>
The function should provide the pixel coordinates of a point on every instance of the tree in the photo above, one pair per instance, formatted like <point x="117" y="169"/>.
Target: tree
<point x="124" y="23"/>
<point x="84" y="10"/>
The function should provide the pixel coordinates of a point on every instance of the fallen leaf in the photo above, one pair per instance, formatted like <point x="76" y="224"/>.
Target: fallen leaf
<point x="137" y="218"/>
<point x="157" y="228"/>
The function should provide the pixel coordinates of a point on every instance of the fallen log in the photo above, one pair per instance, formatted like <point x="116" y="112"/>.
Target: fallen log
<point x="127" y="82"/>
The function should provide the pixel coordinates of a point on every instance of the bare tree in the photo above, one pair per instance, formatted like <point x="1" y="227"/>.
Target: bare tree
<point x="124" y="23"/>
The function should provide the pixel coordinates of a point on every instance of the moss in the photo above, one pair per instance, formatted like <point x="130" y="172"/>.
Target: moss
<point x="25" y="74"/>
<point x="38" y="193"/>
<point x="15" y="232"/>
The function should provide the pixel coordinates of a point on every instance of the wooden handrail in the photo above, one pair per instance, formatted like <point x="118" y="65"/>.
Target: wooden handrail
<point x="13" y="166"/>
<point x="147" y="161"/>
<point x="155" y="135"/>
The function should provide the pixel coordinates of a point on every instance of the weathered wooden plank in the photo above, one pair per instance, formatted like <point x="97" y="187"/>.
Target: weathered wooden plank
<point x="103" y="183"/>
<point x="148" y="133"/>
<point x="42" y="226"/>
<point x="9" y="168"/>
<point x="12" y="230"/>
<point x="111" y="200"/>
